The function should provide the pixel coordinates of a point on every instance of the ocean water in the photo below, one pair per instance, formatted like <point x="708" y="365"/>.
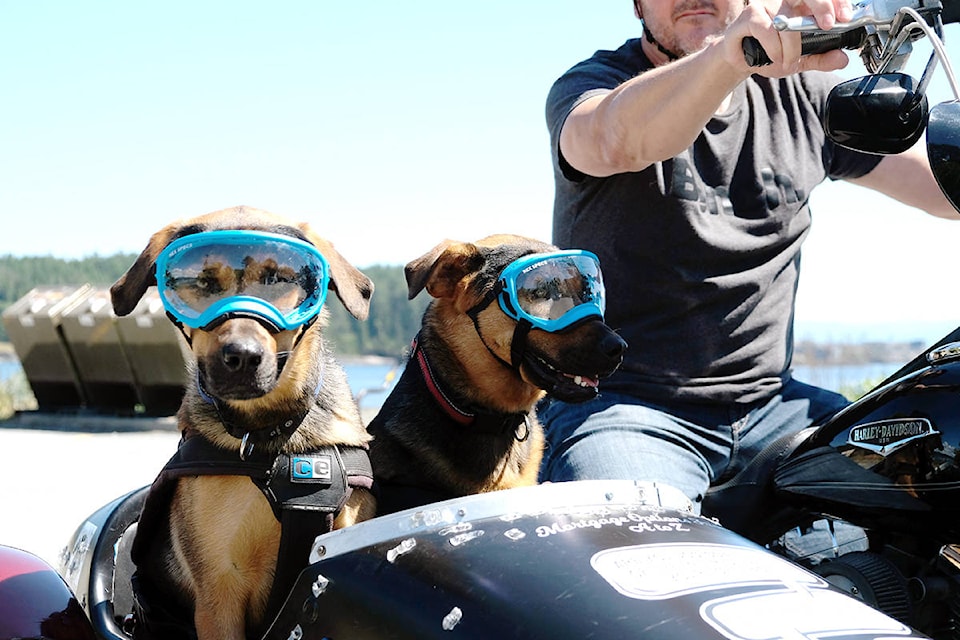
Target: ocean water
<point x="371" y="383"/>
<point x="845" y="376"/>
<point x="8" y="368"/>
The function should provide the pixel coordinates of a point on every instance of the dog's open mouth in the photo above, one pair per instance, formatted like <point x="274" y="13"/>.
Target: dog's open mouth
<point x="568" y="387"/>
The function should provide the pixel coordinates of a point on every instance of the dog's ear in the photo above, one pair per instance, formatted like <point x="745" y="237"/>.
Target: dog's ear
<point x="127" y="291"/>
<point x="351" y="285"/>
<point x="442" y="268"/>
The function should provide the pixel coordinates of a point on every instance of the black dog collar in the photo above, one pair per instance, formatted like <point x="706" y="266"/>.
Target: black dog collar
<point x="249" y="438"/>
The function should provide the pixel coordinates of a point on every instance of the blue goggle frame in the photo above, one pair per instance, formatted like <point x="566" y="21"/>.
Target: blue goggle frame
<point x="312" y="269"/>
<point x="589" y="301"/>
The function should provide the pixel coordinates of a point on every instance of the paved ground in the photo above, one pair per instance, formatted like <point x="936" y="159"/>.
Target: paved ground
<point x="50" y="481"/>
<point x="54" y="472"/>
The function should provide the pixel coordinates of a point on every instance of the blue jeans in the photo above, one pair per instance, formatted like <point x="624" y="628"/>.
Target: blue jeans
<point x="689" y="446"/>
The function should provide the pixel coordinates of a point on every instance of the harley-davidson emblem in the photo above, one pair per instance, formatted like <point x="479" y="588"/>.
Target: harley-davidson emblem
<point x="886" y="436"/>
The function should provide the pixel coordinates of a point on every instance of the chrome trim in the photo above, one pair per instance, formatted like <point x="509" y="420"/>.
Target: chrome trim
<point x="949" y="351"/>
<point x="950" y="557"/>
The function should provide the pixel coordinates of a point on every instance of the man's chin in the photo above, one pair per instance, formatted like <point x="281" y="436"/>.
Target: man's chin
<point x="694" y="32"/>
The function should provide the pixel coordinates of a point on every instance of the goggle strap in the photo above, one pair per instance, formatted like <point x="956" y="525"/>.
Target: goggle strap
<point x="505" y="301"/>
<point x="303" y="331"/>
<point x="519" y="342"/>
<point x="484" y="302"/>
<point x="179" y="325"/>
<point x="474" y="313"/>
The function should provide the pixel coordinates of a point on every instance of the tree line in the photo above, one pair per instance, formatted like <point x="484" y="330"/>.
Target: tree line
<point x="392" y="323"/>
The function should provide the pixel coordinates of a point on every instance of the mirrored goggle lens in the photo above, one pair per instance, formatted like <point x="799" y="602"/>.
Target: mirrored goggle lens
<point x="198" y="277"/>
<point x="550" y="289"/>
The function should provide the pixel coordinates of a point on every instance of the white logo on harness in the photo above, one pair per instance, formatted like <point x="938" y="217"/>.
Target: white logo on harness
<point x="310" y="469"/>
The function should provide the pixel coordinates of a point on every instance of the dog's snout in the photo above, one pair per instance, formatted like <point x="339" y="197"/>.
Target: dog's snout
<point x="241" y="355"/>
<point x="238" y="359"/>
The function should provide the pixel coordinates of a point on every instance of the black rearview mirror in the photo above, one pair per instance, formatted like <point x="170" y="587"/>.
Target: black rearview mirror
<point x="943" y="148"/>
<point x="876" y="114"/>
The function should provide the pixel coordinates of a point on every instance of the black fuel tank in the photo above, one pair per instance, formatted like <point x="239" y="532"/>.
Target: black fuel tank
<point x="892" y="458"/>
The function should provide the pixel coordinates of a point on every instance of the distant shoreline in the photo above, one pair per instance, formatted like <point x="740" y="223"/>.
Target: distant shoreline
<point x="810" y="353"/>
<point x="7" y="352"/>
<point x="826" y="332"/>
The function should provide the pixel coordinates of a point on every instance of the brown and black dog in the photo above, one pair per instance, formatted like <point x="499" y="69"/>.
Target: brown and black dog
<point x="208" y="540"/>
<point x="461" y="420"/>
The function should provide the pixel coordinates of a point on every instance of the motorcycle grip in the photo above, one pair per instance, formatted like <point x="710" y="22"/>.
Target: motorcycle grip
<point x="810" y="42"/>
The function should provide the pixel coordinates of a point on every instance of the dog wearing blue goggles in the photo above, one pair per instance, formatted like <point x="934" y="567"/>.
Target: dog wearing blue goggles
<point x="206" y="277"/>
<point x="512" y="319"/>
<point x="555" y="299"/>
<point x="264" y="399"/>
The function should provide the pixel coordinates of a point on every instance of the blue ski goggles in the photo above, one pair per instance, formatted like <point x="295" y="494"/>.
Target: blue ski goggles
<point x="553" y="291"/>
<point x="206" y="276"/>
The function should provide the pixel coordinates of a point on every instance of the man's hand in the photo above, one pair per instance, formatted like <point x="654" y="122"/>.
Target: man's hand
<point x="783" y="47"/>
<point x="826" y="12"/>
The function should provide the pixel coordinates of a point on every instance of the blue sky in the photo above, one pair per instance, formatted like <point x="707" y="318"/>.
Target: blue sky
<point x="389" y="126"/>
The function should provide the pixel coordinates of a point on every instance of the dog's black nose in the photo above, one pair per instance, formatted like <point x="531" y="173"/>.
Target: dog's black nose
<point x="613" y="345"/>
<point x="241" y="355"/>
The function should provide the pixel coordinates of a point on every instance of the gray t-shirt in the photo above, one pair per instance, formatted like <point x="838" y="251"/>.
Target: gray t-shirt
<point x="701" y="253"/>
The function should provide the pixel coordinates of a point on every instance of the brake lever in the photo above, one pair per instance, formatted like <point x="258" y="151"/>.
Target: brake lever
<point x="873" y="14"/>
<point x="864" y="14"/>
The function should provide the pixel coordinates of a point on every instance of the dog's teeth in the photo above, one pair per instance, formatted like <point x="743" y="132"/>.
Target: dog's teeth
<point x="581" y="381"/>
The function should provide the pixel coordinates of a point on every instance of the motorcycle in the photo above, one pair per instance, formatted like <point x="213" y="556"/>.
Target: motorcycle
<point x="866" y="505"/>
<point x="870" y="500"/>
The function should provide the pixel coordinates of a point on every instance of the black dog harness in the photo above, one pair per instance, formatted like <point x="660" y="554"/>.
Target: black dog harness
<point x="306" y="492"/>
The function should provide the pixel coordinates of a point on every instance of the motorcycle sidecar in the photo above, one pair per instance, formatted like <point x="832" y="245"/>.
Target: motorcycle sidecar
<point x="584" y="559"/>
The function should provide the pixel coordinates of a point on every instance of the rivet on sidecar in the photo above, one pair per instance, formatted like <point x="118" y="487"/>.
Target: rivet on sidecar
<point x="405" y="546"/>
<point x="319" y="586"/>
